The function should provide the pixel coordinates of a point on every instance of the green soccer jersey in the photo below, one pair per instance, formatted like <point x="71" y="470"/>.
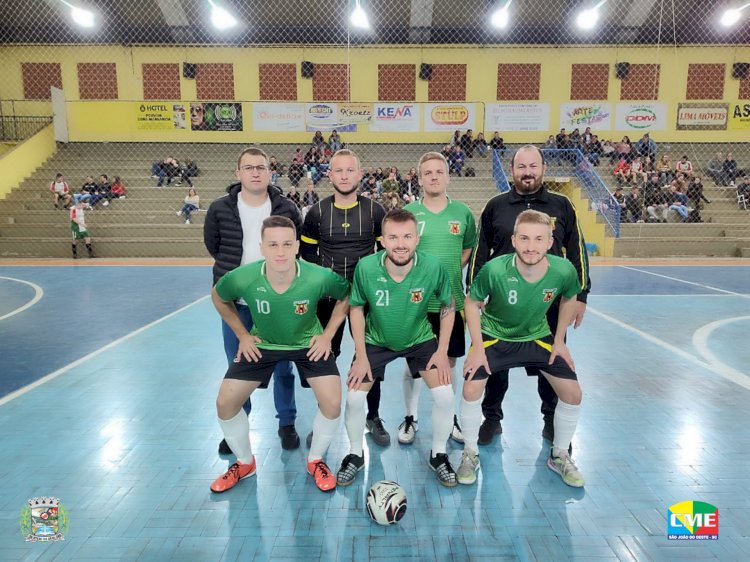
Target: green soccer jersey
<point x="446" y="235"/>
<point x="397" y="314"/>
<point x="287" y="320"/>
<point x="517" y="309"/>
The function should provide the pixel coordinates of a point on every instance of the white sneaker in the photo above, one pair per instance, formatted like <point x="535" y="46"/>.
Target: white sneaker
<point x="456" y="433"/>
<point x="106" y="203"/>
<point x="566" y="468"/>
<point x="179" y="213"/>
<point x="407" y="430"/>
<point x="467" y="470"/>
<point x="187" y="221"/>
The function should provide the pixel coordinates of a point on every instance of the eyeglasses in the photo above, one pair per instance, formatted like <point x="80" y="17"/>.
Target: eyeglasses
<point x="196" y="110"/>
<point x="249" y="168"/>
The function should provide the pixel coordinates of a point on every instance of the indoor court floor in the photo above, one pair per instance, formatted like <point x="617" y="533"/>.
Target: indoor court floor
<point x="107" y="387"/>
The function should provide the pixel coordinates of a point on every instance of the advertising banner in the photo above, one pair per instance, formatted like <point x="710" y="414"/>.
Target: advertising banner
<point x="325" y="117"/>
<point x="215" y="116"/>
<point x="157" y="115"/>
<point x="282" y="117"/>
<point x="739" y="116"/>
<point x="516" y="117"/>
<point x="641" y="117"/>
<point x="449" y="116"/>
<point x="702" y="116"/>
<point x="355" y="113"/>
<point x="395" y="118"/>
<point x="598" y="116"/>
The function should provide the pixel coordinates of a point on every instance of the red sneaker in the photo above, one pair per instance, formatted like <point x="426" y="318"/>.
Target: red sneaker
<point x="322" y="475"/>
<point x="229" y="479"/>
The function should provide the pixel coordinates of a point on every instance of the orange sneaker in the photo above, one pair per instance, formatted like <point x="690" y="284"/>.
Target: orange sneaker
<point x="322" y="475"/>
<point x="229" y="479"/>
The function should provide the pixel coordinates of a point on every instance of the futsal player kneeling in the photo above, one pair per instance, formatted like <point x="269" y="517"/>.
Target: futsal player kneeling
<point x="397" y="284"/>
<point x="283" y="294"/>
<point x="513" y="332"/>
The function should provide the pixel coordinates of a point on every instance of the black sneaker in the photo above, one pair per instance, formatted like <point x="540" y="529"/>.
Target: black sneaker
<point x="379" y="434"/>
<point x="488" y="430"/>
<point x="350" y="466"/>
<point x="224" y="448"/>
<point x="289" y="437"/>
<point x="442" y="466"/>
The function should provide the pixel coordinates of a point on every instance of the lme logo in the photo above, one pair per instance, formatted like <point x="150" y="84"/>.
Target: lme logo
<point x="691" y="520"/>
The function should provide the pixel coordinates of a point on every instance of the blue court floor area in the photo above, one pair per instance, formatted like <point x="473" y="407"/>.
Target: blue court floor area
<point x="123" y="431"/>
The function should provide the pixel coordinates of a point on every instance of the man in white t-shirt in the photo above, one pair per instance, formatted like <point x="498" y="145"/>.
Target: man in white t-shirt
<point x="232" y="236"/>
<point x="60" y="191"/>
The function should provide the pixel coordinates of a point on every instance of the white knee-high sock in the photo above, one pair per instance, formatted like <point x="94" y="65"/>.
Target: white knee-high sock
<point x="236" y="433"/>
<point x="566" y="421"/>
<point x="412" y="387"/>
<point x="457" y="382"/>
<point x="355" y="419"/>
<point x="323" y="432"/>
<point x="471" y="419"/>
<point x="442" y="417"/>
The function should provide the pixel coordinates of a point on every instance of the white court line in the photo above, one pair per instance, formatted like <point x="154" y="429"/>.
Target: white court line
<point x="701" y="335"/>
<point x="21" y="391"/>
<point x="718" y="368"/>
<point x="38" y="294"/>
<point x="669" y="296"/>
<point x="683" y="281"/>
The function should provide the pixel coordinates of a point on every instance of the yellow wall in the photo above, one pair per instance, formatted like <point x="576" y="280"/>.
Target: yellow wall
<point x="593" y="229"/>
<point x="21" y="162"/>
<point x="96" y="121"/>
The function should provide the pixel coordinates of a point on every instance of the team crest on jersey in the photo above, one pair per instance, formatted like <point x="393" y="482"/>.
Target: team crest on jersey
<point x="455" y="227"/>
<point x="300" y="307"/>
<point x="416" y="295"/>
<point x="549" y="294"/>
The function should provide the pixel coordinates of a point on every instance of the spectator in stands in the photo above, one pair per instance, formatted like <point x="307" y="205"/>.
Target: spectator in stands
<point x="184" y="172"/>
<point x="394" y="170"/>
<point x="101" y="192"/>
<point x="299" y="156"/>
<point x="295" y="173"/>
<point x="60" y="192"/>
<point x="324" y="164"/>
<point x="634" y="205"/>
<point x="550" y="143"/>
<point x="318" y="142"/>
<point x="168" y="169"/>
<point x="743" y="192"/>
<point x="678" y="201"/>
<point x="312" y="157"/>
<point x="446" y="152"/>
<point x="273" y="165"/>
<point x="657" y="202"/>
<point x="457" y="160"/>
<point x="334" y="142"/>
<point x="480" y="145"/>
<point x="684" y="166"/>
<point x="379" y="179"/>
<point x="575" y="138"/>
<point x="456" y="139"/>
<point x="293" y="196"/>
<point x="619" y="196"/>
<point x="191" y="204"/>
<point x="714" y="167"/>
<point x="608" y="151"/>
<point x="696" y="197"/>
<point x="391" y="183"/>
<point x="86" y="192"/>
<point x="560" y="137"/>
<point x="622" y="171"/>
<point x="624" y="148"/>
<point x="410" y="187"/>
<point x="587" y="136"/>
<point x="497" y="143"/>
<point x="370" y="189"/>
<point x="681" y="181"/>
<point x="309" y="197"/>
<point x="637" y="172"/>
<point x="117" y="191"/>
<point x="664" y="167"/>
<point x="391" y="201"/>
<point x="728" y="171"/>
<point x="646" y="147"/>
<point x="648" y="164"/>
<point x="467" y="143"/>
<point x="591" y="148"/>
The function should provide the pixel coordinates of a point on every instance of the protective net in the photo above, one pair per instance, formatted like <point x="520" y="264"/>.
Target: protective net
<point x="157" y="95"/>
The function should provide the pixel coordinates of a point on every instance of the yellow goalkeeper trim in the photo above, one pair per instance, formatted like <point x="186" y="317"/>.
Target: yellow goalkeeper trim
<point x="544" y="345"/>
<point x="308" y="240"/>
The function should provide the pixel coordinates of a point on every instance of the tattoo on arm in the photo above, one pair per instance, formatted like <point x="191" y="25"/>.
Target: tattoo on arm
<point x="449" y="309"/>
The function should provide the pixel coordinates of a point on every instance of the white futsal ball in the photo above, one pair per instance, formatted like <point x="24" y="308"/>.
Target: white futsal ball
<point x="386" y="502"/>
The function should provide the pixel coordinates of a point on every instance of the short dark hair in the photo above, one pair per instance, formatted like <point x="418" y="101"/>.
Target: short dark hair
<point x="527" y="147"/>
<point x="254" y="151"/>
<point x="277" y="221"/>
<point x="399" y="216"/>
<point x="58" y="176"/>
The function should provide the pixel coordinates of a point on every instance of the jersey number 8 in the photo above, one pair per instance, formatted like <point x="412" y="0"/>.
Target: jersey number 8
<point x="512" y="296"/>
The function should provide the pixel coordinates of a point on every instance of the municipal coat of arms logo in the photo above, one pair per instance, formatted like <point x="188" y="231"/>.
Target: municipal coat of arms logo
<point x="300" y="307"/>
<point x="416" y="295"/>
<point x="455" y="227"/>
<point x="43" y="519"/>
<point x="549" y="294"/>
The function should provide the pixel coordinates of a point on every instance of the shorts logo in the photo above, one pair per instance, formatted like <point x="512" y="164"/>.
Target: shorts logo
<point x="455" y="227"/>
<point x="416" y="295"/>
<point x="43" y="519"/>
<point x="692" y="520"/>
<point x="549" y="294"/>
<point x="300" y="307"/>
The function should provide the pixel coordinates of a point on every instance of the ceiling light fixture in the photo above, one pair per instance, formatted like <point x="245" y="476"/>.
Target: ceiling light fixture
<point x="501" y="16"/>
<point x="732" y="16"/>
<point x="221" y="18"/>
<point x="359" y="18"/>
<point x="80" y="16"/>
<point x="587" y="19"/>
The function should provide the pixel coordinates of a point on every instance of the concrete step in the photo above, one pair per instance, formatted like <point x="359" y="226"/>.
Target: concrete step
<point x="177" y="230"/>
<point x="667" y="247"/>
<point x="47" y="247"/>
<point x="112" y="216"/>
<point x="671" y="230"/>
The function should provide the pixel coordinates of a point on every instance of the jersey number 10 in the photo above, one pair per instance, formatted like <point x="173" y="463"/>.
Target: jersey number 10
<point x="263" y="306"/>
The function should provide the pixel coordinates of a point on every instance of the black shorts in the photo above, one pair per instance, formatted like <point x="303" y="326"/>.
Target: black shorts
<point x="262" y="370"/>
<point x="416" y="357"/>
<point x="457" y="342"/>
<point x="503" y="355"/>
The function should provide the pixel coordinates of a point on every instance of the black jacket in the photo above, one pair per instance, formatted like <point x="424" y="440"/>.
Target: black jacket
<point x="222" y="231"/>
<point x="499" y="217"/>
